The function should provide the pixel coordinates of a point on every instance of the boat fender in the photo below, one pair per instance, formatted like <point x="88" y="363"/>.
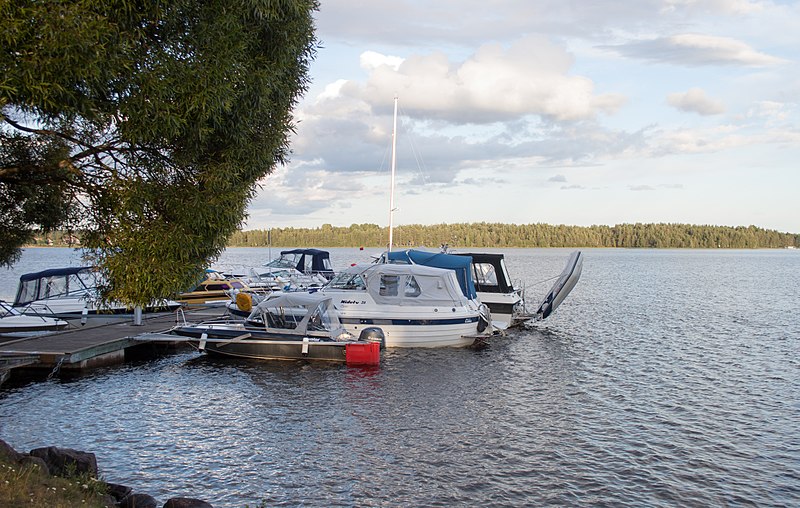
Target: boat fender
<point x="244" y="302"/>
<point x="373" y="334"/>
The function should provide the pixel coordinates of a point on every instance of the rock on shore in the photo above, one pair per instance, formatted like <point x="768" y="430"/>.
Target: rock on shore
<point x="65" y="462"/>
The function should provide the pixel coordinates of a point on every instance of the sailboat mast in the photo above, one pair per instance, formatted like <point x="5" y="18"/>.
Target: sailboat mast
<point x="394" y="163"/>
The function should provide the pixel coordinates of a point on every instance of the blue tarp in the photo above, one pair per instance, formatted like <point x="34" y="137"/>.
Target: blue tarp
<point x="462" y="265"/>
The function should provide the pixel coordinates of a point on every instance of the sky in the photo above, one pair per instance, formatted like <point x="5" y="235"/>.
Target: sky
<point x="546" y="111"/>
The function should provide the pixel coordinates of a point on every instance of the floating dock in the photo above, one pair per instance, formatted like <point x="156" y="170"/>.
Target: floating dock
<point x="81" y="348"/>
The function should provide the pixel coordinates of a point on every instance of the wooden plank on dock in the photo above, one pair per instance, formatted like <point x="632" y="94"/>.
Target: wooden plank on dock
<point x="76" y="346"/>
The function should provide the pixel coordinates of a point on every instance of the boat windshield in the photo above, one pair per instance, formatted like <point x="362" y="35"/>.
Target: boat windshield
<point x="81" y="283"/>
<point x="347" y="281"/>
<point x="284" y="261"/>
<point x="484" y="274"/>
<point x="320" y="319"/>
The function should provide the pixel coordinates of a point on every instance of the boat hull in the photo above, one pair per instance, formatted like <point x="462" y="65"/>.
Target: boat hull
<point x="79" y="308"/>
<point x="21" y="326"/>
<point x="403" y="332"/>
<point x="258" y="345"/>
<point x="506" y="309"/>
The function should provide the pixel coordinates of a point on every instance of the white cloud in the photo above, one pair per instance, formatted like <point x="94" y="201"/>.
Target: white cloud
<point x="531" y="77"/>
<point x="775" y="113"/>
<point x="723" y="6"/>
<point x="508" y="99"/>
<point x="372" y="60"/>
<point x="695" y="100"/>
<point x="697" y="49"/>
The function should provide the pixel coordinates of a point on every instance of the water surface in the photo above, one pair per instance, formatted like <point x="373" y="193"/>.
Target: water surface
<point x="667" y="378"/>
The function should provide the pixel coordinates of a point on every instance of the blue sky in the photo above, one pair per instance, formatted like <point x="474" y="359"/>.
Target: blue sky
<point x="578" y="113"/>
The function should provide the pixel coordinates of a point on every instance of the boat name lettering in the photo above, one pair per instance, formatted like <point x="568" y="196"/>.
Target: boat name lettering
<point x="354" y="302"/>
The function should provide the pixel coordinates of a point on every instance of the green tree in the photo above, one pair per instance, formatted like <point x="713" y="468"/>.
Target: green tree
<point x="144" y="126"/>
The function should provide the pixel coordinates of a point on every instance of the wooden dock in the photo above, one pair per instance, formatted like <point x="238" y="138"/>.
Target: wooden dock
<point x="93" y="345"/>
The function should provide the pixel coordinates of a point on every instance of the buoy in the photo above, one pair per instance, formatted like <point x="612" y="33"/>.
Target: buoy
<point x="244" y="302"/>
<point x="362" y="354"/>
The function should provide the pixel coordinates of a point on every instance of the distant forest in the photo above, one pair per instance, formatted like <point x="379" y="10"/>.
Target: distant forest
<point x="658" y="236"/>
<point x="650" y="236"/>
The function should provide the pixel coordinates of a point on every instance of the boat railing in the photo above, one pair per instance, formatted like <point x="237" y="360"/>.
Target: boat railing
<point x="39" y="310"/>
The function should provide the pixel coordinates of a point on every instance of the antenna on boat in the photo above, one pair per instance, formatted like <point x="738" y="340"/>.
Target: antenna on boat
<point x="394" y="162"/>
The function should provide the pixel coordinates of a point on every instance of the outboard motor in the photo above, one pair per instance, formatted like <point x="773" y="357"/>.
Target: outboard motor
<point x="485" y="318"/>
<point x="373" y="334"/>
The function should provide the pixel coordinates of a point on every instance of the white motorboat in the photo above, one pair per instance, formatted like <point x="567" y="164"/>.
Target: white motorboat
<point x="288" y="326"/>
<point x="489" y="278"/>
<point x="293" y="270"/>
<point x="492" y="283"/>
<point x="14" y="323"/>
<point x="414" y="305"/>
<point x="496" y="289"/>
<point x="71" y="293"/>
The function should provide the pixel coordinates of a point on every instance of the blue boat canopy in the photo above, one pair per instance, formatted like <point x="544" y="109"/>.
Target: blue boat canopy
<point x="462" y="265"/>
<point x="54" y="272"/>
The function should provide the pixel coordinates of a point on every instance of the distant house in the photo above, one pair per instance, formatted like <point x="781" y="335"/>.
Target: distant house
<point x="71" y="240"/>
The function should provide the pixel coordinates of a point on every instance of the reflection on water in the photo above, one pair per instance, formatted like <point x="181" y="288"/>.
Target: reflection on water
<point x="666" y="378"/>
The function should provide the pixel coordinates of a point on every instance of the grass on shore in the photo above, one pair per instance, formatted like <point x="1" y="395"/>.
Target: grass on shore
<point x="30" y="487"/>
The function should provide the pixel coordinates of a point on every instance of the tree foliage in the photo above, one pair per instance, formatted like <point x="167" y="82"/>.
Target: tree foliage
<point x="524" y="235"/>
<point x="144" y="126"/>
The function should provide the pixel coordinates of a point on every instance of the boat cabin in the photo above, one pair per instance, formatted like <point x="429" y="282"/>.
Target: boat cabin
<point x="307" y="261"/>
<point x="489" y="273"/>
<point x="458" y="264"/>
<point x="56" y="283"/>
<point x="401" y="284"/>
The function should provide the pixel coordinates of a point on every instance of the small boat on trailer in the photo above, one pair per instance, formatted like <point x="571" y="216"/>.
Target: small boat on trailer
<point x="287" y="326"/>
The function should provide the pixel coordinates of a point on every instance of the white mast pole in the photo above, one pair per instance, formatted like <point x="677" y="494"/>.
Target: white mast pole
<point x="394" y="162"/>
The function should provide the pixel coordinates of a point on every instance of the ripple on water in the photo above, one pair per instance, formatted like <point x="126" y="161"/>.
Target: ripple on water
<point x="666" y="379"/>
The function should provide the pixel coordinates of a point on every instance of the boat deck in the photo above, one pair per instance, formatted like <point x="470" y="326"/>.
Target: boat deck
<point x="81" y="347"/>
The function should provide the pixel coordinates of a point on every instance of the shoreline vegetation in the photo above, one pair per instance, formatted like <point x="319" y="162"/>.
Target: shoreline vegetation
<point x="497" y="235"/>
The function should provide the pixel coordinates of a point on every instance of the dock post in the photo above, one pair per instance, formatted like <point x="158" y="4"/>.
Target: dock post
<point x="137" y="315"/>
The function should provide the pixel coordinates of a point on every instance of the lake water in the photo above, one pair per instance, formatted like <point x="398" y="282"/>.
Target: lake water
<point x="667" y="378"/>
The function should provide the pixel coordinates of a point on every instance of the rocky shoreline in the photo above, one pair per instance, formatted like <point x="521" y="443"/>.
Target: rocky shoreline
<point x="65" y="462"/>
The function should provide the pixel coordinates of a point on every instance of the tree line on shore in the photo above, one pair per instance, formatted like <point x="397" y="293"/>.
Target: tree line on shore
<point x="495" y="235"/>
<point x="523" y="235"/>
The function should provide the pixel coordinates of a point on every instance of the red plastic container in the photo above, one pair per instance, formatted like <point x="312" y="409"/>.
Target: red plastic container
<point x="363" y="354"/>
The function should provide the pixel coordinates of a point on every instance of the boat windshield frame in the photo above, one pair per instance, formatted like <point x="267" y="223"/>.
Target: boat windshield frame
<point x="60" y="283"/>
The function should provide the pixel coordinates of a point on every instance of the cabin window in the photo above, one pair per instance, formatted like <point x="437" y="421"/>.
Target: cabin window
<point x="484" y="274"/>
<point x="348" y="281"/>
<point x="216" y="287"/>
<point x="56" y="286"/>
<point x="389" y="285"/>
<point x="412" y="287"/>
